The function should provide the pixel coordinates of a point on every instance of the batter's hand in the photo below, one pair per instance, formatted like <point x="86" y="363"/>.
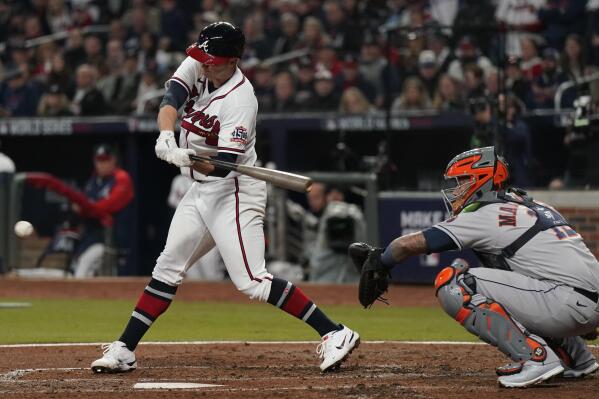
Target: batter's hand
<point x="166" y="149"/>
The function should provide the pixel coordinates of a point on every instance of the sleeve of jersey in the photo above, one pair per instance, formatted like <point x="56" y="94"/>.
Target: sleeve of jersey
<point x="468" y="230"/>
<point x="120" y="195"/>
<point x="236" y="129"/>
<point x="185" y="75"/>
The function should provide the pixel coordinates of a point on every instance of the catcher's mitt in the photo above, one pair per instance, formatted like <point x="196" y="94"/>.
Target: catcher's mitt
<point x="374" y="276"/>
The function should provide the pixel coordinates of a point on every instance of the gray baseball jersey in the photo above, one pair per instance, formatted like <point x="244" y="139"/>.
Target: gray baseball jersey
<point x="557" y="254"/>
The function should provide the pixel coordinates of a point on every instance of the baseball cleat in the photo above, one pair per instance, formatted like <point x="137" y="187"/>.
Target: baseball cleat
<point x="117" y="359"/>
<point x="335" y="347"/>
<point x="581" y="370"/>
<point x="533" y="372"/>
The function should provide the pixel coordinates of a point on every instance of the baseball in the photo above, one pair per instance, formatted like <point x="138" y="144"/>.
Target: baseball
<point x="23" y="229"/>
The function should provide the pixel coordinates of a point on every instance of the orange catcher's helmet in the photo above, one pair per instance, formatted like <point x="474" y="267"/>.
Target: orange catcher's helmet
<point x="473" y="176"/>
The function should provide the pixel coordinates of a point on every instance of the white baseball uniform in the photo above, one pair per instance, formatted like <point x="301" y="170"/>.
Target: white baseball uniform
<point x="538" y="290"/>
<point x="227" y="212"/>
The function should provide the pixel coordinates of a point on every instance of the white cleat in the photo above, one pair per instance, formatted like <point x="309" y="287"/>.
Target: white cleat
<point x="336" y="347"/>
<point x="533" y="372"/>
<point x="117" y="359"/>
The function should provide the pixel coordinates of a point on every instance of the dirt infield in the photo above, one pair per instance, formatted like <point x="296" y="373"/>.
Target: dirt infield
<point x="260" y="370"/>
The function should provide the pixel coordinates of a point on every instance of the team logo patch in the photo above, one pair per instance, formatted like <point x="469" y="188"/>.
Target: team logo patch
<point x="239" y="135"/>
<point x="539" y="351"/>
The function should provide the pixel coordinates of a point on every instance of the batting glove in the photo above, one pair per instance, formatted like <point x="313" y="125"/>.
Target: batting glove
<point x="166" y="149"/>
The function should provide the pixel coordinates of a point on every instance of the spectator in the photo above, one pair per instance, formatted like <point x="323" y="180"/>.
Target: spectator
<point x="43" y="61"/>
<point x="127" y="85"/>
<point x="437" y="42"/>
<point x="351" y="77"/>
<point x="18" y="95"/>
<point x="477" y="16"/>
<point x="545" y="86"/>
<point x="147" y="50"/>
<point x="468" y="53"/>
<point x="447" y="96"/>
<point x="410" y="54"/>
<point x="173" y="24"/>
<point x="32" y="28"/>
<point x="561" y="17"/>
<point x="111" y="191"/>
<point x="515" y="136"/>
<point x="427" y="71"/>
<point x="375" y="69"/>
<point x="305" y="81"/>
<point x="58" y="16"/>
<point x="573" y="60"/>
<point x="61" y="75"/>
<point x="516" y="83"/>
<point x="413" y="96"/>
<point x="531" y="64"/>
<point x="74" y="52"/>
<point x="88" y="100"/>
<point x="326" y="58"/>
<point x="593" y="31"/>
<point x="521" y="20"/>
<point x="492" y="83"/>
<point x="117" y="30"/>
<point x="313" y="35"/>
<point x="344" y="37"/>
<point x="257" y="45"/>
<point x="54" y="103"/>
<point x="353" y="101"/>
<point x="148" y="84"/>
<point x="290" y="34"/>
<point x="109" y="84"/>
<point x="444" y="11"/>
<point x="94" y="53"/>
<point x="263" y="86"/>
<point x="325" y="98"/>
<point x="474" y="81"/>
<point x="484" y="123"/>
<point x="284" y="93"/>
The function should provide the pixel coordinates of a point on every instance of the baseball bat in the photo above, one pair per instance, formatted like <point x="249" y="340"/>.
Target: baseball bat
<point x="286" y="180"/>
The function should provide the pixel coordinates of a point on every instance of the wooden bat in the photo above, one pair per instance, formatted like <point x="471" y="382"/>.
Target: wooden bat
<point x="286" y="180"/>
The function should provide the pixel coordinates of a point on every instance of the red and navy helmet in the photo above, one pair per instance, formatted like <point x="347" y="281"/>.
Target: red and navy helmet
<point x="217" y="43"/>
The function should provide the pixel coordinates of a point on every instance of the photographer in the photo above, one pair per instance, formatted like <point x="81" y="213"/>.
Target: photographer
<point x="484" y="123"/>
<point x="582" y="141"/>
<point x="340" y="224"/>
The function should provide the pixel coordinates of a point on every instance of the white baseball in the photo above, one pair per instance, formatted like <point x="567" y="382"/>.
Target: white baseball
<point x="23" y="229"/>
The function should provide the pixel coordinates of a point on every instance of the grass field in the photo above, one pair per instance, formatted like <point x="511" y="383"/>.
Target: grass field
<point x="60" y="320"/>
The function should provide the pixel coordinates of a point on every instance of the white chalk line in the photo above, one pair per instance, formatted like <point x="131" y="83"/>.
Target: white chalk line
<point x="61" y="344"/>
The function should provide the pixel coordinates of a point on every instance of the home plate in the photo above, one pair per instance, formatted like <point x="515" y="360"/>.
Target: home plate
<point x="172" y="385"/>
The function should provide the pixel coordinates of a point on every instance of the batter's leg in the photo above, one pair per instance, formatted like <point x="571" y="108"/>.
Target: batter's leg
<point x="239" y="236"/>
<point x="490" y="321"/>
<point x="188" y="239"/>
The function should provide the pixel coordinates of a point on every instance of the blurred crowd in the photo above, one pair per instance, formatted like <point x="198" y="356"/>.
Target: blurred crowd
<point x="353" y="56"/>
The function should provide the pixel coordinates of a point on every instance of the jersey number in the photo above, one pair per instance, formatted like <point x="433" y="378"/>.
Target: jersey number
<point x="563" y="232"/>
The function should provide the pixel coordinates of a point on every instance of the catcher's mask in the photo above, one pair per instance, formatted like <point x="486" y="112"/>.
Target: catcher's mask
<point x="471" y="175"/>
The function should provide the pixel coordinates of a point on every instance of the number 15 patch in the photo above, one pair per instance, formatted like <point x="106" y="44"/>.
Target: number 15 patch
<point x="239" y="135"/>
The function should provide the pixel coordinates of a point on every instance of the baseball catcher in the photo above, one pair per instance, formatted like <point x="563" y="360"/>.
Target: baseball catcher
<point x="535" y="297"/>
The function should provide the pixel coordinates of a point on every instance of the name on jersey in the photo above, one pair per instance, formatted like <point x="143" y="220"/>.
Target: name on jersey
<point x="239" y="135"/>
<point x="507" y="217"/>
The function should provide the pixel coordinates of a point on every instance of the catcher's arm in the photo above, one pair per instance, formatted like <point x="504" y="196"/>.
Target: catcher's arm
<point x="374" y="264"/>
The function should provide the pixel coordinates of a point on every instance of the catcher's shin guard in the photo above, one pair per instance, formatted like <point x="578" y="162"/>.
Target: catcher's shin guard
<point x="488" y="320"/>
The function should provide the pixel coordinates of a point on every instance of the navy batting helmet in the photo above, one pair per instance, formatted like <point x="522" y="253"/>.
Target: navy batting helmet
<point x="217" y="43"/>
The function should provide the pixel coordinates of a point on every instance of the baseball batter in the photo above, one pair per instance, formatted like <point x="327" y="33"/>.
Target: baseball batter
<point x="222" y="209"/>
<point x="537" y="293"/>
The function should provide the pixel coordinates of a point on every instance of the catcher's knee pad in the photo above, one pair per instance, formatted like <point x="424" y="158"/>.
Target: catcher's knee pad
<point x="488" y="320"/>
<point x="257" y="288"/>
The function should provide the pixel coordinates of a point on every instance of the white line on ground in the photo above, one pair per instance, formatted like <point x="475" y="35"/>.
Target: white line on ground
<point x="173" y="385"/>
<point x="41" y="345"/>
